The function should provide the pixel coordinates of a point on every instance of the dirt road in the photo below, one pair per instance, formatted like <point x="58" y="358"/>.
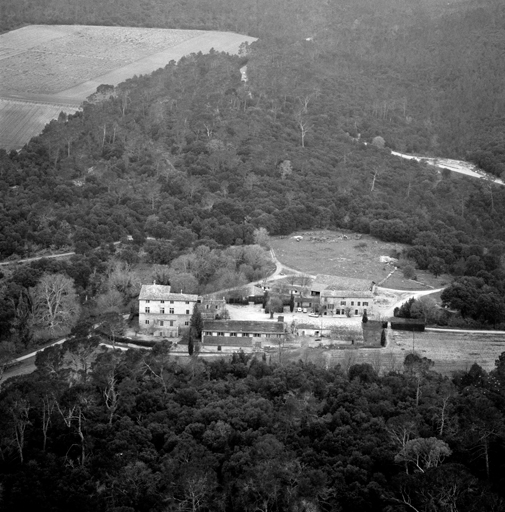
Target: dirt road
<point x="458" y="166"/>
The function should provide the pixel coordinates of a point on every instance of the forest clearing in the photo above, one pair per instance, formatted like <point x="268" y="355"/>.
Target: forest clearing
<point x="340" y="253"/>
<point x="65" y="64"/>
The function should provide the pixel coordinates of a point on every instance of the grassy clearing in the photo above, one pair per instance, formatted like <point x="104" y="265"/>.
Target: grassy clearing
<point x="349" y="257"/>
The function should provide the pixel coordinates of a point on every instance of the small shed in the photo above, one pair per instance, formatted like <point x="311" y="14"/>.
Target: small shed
<point x="305" y="329"/>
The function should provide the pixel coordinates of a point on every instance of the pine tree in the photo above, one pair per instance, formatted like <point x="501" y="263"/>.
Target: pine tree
<point x="383" y="338"/>
<point x="196" y="324"/>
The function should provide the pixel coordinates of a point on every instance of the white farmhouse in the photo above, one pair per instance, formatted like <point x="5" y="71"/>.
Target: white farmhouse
<point x="164" y="313"/>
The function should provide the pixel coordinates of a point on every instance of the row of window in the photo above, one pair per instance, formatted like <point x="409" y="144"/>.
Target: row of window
<point x="161" y="323"/>
<point x="162" y="311"/>
<point x="254" y="335"/>
<point x="344" y="303"/>
<point x="163" y="302"/>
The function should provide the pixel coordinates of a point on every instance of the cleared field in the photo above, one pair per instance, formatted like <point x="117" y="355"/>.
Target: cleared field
<point x="339" y="253"/>
<point x="62" y="65"/>
<point x="449" y="351"/>
<point x="20" y="121"/>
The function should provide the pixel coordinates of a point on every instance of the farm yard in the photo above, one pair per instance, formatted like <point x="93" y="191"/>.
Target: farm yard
<point x="60" y="66"/>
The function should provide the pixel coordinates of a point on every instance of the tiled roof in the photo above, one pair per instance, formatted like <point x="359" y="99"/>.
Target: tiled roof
<point x="336" y="283"/>
<point x="307" y="326"/>
<point x="227" y="341"/>
<point x="243" y="326"/>
<point x="162" y="292"/>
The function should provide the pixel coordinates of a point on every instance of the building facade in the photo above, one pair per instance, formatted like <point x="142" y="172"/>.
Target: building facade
<point x="163" y="313"/>
<point x="231" y="335"/>
<point x="341" y="296"/>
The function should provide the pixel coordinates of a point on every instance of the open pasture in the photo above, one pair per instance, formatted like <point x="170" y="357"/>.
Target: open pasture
<point x="340" y="253"/>
<point x="61" y="65"/>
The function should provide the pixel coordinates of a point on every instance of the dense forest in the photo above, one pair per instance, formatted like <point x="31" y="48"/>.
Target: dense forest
<point x="98" y="430"/>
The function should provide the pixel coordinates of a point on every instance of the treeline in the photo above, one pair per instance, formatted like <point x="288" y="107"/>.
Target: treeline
<point x="102" y="430"/>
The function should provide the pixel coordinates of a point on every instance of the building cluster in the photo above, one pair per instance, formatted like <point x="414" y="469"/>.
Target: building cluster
<point x="167" y="314"/>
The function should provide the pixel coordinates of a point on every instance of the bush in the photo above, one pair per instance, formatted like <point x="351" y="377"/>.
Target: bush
<point x="409" y="272"/>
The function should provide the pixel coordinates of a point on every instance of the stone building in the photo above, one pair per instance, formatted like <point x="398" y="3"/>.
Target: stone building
<point x="343" y="296"/>
<point x="163" y="313"/>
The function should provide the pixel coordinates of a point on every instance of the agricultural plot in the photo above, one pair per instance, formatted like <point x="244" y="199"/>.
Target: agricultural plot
<point x="62" y="65"/>
<point x="450" y="351"/>
<point x="20" y="121"/>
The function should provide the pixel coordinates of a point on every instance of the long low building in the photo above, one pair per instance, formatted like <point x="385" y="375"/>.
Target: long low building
<point x="232" y="335"/>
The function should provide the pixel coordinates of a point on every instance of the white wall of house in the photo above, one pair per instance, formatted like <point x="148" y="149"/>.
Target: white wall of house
<point x="337" y="306"/>
<point x="165" y="317"/>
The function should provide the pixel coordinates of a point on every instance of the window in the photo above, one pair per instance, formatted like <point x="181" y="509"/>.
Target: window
<point x="356" y="312"/>
<point x="359" y="303"/>
<point x="161" y="323"/>
<point x="220" y="333"/>
<point x="171" y="302"/>
<point x="147" y="301"/>
<point x="186" y="323"/>
<point x="162" y="301"/>
<point x="187" y="311"/>
<point x="233" y="333"/>
<point x="207" y="306"/>
<point x="342" y="302"/>
<point x="171" y="310"/>
<point x="187" y="302"/>
<point x="147" y="310"/>
<point x="171" y="323"/>
<point x="256" y="334"/>
<point x="337" y="311"/>
<point x="219" y="348"/>
<point x="162" y="311"/>
<point x="352" y="303"/>
<point x="365" y="303"/>
<point x="147" y="321"/>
